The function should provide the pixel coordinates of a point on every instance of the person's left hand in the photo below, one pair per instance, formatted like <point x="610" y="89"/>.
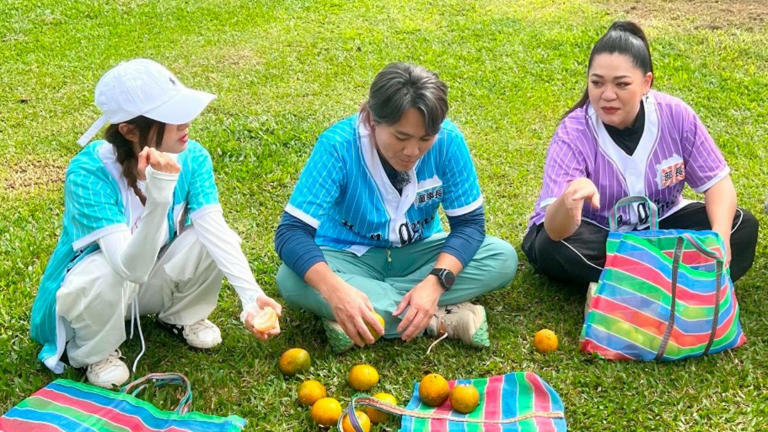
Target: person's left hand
<point x="421" y="302"/>
<point x="726" y="236"/>
<point x="263" y="301"/>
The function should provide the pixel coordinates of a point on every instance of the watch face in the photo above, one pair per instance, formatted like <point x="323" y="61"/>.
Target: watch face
<point x="448" y="278"/>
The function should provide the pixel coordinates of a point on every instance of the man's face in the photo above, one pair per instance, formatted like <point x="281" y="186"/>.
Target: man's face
<point x="402" y="144"/>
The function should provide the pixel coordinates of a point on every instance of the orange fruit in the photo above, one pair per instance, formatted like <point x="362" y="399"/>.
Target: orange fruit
<point x="375" y="335"/>
<point x="326" y="411"/>
<point x="545" y="341"/>
<point x="293" y="361"/>
<point x="464" y="398"/>
<point x="264" y="320"/>
<point x="377" y="416"/>
<point x="310" y="391"/>
<point x="362" y="377"/>
<point x="433" y="389"/>
<point x="363" y="419"/>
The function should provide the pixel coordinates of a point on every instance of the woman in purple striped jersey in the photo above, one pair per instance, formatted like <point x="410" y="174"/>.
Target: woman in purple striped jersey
<point x="620" y="139"/>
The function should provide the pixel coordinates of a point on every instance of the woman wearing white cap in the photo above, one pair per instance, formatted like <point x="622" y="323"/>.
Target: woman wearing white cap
<point x="143" y="231"/>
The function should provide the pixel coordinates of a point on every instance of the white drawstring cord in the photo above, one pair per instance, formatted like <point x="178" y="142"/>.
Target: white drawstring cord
<point x="437" y="341"/>
<point x="135" y="311"/>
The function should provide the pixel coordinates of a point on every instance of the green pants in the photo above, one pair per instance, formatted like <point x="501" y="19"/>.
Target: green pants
<point x="386" y="275"/>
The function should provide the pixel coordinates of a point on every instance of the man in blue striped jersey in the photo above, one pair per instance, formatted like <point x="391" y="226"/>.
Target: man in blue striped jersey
<point x="361" y="232"/>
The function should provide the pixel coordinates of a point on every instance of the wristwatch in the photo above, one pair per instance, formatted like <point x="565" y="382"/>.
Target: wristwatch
<point x="445" y="276"/>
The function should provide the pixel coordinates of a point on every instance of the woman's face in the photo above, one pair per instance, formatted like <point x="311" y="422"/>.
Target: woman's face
<point x="175" y="138"/>
<point x="402" y="144"/>
<point x="616" y="87"/>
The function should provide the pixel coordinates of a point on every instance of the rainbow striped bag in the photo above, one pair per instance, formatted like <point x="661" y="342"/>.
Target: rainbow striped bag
<point x="519" y="401"/>
<point x="662" y="295"/>
<point x="65" y="405"/>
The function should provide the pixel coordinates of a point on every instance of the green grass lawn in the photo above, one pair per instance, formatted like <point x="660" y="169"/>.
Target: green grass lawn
<point x="286" y="70"/>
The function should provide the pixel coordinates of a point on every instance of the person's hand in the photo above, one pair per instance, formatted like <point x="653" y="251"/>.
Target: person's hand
<point x="158" y="160"/>
<point x="421" y="302"/>
<point x="262" y="301"/>
<point x="576" y="193"/>
<point x="352" y="311"/>
<point x="727" y="242"/>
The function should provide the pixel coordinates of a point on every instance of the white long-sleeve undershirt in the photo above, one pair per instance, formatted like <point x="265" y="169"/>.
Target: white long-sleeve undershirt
<point x="132" y="256"/>
<point x="224" y="246"/>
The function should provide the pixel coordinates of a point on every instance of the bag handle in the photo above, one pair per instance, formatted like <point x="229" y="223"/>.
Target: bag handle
<point x="400" y="411"/>
<point x="159" y="379"/>
<point x="673" y="292"/>
<point x="719" y="264"/>
<point x="627" y="201"/>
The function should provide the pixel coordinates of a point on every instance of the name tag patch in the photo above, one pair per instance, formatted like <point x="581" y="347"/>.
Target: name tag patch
<point x="425" y="196"/>
<point x="671" y="171"/>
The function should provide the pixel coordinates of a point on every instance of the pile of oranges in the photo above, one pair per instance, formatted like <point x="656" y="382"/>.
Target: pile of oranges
<point x="325" y="410"/>
<point x="433" y="388"/>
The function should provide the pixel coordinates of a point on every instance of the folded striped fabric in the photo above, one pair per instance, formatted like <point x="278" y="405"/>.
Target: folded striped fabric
<point x="66" y="405"/>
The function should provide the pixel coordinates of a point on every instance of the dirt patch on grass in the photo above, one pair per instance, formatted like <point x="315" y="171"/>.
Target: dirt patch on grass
<point x="26" y="175"/>
<point x="699" y="14"/>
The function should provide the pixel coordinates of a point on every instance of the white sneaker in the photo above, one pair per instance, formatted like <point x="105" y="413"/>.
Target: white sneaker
<point x="108" y="373"/>
<point x="202" y="334"/>
<point x="464" y="321"/>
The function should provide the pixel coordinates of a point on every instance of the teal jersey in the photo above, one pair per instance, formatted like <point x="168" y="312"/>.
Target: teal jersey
<point x="343" y="190"/>
<point x="95" y="206"/>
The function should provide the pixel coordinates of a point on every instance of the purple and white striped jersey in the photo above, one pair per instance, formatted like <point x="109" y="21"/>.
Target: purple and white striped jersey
<point x="675" y="149"/>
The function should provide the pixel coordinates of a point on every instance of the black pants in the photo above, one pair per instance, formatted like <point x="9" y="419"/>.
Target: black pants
<point x="579" y="258"/>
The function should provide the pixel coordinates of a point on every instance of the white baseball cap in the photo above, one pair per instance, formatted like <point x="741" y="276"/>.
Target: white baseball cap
<point x="142" y="87"/>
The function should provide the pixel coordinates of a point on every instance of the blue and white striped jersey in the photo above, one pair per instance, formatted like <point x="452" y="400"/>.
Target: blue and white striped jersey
<point x="343" y="190"/>
<point x="95" y="204"/>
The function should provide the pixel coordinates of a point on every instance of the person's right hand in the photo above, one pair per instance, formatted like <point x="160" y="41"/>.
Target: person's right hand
<point x="158" y="160"/>
<point x="576" y="193"/>
<point x="352" y="310"/>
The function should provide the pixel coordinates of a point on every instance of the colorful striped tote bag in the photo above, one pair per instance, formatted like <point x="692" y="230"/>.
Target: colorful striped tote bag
<point x="519" y="401"/>
<point x="662" y="295"/>
<point x="70" y="406"/>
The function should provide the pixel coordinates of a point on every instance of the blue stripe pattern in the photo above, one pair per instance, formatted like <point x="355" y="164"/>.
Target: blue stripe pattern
<point x="139" y="409"/>
<point x="661" y="311"/>
<point x="337" y="190"/>
<point x="59" y="420"/>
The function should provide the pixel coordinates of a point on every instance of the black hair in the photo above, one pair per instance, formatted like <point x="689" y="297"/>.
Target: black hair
<point x="128" y="152"/>
<point x="400" y="86"/>
<point x="623" y="37"/>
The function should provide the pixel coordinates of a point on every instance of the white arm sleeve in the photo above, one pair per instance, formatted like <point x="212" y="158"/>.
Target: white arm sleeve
<point x="224" y="246"/>
<point x="133" y="256"/>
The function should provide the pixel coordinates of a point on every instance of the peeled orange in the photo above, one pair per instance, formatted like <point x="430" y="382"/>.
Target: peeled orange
<point x="264" y="320"/>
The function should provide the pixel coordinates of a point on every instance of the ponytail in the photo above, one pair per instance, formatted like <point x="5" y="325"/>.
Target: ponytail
<point x="128" y="152"/>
